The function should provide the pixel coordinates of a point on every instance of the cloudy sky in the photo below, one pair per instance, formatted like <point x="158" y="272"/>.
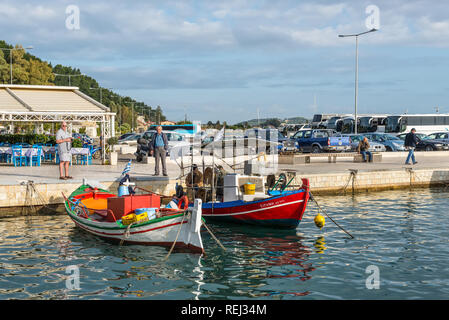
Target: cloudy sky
<point x="225" y="59"/>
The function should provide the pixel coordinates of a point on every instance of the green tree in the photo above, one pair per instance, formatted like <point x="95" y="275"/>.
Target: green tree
<point x="4" y="68"/>
<point x="20" y="66"/>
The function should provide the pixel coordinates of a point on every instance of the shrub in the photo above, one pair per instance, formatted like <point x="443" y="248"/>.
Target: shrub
<point x="112" y="141"/>
<point x="77" y="143"/>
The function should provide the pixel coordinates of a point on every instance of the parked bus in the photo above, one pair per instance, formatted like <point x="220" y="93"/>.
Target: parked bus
<point x="332" y="122"/>
<point x="319" y="120"/>
<point x="185" y="129"/>
<point x="423" y="123"/>
<point x="346" y="125"/>
<point x="366" y="123"/>
<point x="371" y="123"/>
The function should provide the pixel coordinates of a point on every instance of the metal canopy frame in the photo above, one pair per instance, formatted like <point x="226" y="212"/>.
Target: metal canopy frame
<point x="104" y="117"/>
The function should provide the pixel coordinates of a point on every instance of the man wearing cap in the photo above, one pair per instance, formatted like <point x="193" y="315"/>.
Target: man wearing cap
<point x="410" y="143"/>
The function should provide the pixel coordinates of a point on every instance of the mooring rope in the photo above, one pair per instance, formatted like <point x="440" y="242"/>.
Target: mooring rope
<point x="319" y="207"/>
<point x="176" y="239"/>
<point x="126" y="233"/>
<point x="30" y="192"/>
<point x="213" y="236"/>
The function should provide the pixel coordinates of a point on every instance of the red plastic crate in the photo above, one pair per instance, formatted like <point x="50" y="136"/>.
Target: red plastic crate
<point x="121" y="206"/>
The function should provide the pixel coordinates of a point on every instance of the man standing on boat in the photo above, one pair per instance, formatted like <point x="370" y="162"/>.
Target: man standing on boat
<point x="64" y="142"/>
<point x="410" y="143"/>
<point x="159" y="147"/>
<point x="363" y="148"/>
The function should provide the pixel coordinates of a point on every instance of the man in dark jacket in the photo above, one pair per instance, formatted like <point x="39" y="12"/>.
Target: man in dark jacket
<point x="159" y="147"/>
<point x="410" y="143"/>
<point x="363" y="148"/>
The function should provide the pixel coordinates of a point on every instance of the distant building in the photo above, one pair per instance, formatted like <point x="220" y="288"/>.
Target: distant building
<point x="170" y="123"/>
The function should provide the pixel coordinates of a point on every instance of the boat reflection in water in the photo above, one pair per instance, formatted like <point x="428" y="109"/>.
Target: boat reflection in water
<point x="261" y="262"/>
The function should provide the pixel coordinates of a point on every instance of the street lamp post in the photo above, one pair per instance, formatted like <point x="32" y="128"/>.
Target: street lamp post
<point x="10" y="58"/>
<point x="101" y="96"/>
<point x="356" y="69"/>
<point x="69" y="75"/>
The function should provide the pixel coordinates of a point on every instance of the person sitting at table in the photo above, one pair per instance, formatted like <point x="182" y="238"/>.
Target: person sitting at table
<point x="64" y="140"/>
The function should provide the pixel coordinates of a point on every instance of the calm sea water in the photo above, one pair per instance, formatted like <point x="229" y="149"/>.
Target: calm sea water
<point x="402" y="235"/>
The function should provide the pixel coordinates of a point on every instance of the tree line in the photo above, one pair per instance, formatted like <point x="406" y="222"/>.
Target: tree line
<point x="29" y="69"/>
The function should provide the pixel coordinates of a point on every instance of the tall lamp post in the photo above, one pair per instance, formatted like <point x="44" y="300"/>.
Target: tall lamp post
<point x="10" y="58"/>
<point x="356" y="69"/>
<point x="69" y="75"/>
<point x="101" y="89"/>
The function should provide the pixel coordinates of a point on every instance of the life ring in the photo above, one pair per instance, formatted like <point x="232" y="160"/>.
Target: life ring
<point x="184" y="200"/>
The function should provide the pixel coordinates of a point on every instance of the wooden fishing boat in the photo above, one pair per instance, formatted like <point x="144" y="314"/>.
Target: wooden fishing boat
<point x="103" y="214"/>
<point x="280" y="209"/>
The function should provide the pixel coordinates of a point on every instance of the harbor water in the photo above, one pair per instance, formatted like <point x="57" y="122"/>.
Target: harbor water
<point x="400" y="251"/>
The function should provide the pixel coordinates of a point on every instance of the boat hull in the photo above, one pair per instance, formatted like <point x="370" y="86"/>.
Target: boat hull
<point x="282" y="211"/>
<point x="182" y="230"/>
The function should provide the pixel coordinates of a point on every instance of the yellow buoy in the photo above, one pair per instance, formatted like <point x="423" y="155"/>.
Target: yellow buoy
<point x="319" y="221"/>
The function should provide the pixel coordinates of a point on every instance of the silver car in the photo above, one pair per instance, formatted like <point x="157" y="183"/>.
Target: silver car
<point x="373" y="146"/>
<point x="174" y="138"/>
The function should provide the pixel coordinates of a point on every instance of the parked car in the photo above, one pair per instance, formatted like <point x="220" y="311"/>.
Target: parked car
<point x="123" y="136"/>
<point x="130" y="139"/>
<point x="432" y="145"/>
<point x="419" y="135"/>
<point x="442" y="136"/>
<point x="174" y="138"/>
<point x="428" y="142"/>
<point x="391" y="143"/>
<point x="319" y="140"/>
<point x="267" y="134"/>
<point x="356" y="138"/>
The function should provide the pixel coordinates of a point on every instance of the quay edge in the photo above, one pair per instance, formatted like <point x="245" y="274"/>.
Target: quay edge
<point x="13" y="199"/>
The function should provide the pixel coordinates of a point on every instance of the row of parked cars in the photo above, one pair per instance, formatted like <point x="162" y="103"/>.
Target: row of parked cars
<point x="313" y="140"/>
<point x="325" y="140"/>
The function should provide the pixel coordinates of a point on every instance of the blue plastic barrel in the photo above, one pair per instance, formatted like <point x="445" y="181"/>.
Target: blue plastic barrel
<point x="123" y="191"/>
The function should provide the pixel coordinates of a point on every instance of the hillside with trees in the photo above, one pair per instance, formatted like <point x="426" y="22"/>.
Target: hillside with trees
<point x="30" y="70"/>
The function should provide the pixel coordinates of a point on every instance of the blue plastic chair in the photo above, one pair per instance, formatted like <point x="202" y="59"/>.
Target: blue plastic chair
<point x="35" y="160"/>
<point x="85" y="159"/>
<point x="17" y="158"/>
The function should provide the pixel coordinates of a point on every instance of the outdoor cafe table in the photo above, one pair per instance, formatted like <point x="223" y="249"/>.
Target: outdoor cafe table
<point x="29" y="152"/>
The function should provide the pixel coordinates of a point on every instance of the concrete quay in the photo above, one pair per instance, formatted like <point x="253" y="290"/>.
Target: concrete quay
<point x="341" y="177"/>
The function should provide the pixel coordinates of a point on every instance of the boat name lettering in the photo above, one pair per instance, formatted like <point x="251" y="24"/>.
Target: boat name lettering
<point x="271" y="203"/>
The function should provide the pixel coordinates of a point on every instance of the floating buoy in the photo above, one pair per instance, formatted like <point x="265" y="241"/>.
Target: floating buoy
<point x="319" y="221"/>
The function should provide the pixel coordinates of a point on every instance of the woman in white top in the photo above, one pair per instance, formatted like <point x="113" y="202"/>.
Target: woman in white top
<point x="64" y="142"/>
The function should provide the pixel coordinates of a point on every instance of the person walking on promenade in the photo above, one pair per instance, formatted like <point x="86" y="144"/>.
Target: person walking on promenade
<point x="64" y="142"/>
<point x="159" y="147"/>
<point x="363" y="148"/>
<point x="410" y="143"/>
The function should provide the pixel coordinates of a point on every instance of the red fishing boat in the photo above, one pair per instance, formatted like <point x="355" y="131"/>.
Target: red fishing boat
<point x="280" y="209"/>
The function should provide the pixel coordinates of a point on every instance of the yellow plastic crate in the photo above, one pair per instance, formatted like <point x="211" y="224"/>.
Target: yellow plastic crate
<point x="142" y="217"/>
<point x="128" y="219"/>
